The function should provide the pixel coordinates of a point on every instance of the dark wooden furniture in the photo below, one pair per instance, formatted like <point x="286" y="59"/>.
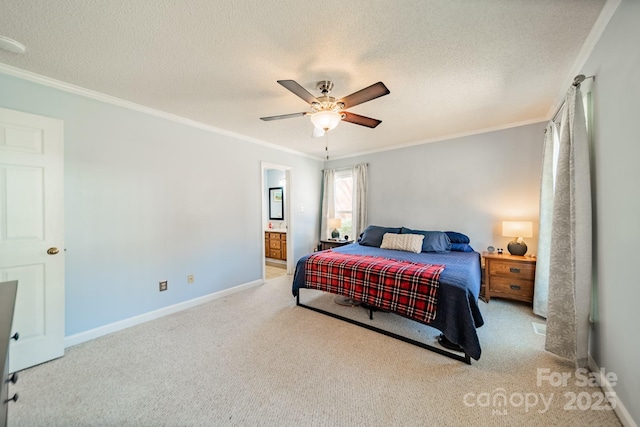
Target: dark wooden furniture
<point x="328" y="244"/>
<point x="509" y="276"/>
<point x="8" y="292"/>
<point x="275" y="245"/>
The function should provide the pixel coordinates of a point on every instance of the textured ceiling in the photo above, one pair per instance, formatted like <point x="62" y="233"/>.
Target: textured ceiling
<point x="453" y="67"/>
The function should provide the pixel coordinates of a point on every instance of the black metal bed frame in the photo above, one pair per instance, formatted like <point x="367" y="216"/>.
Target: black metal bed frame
<point x="466" y="358"/>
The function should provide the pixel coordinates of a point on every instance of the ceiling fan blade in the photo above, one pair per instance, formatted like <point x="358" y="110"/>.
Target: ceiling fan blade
<point x="360" y="120"/>
<point x="282" y="116"/>
<point x="374" y="91"/>
<point x="317" y="133"/>
<point x="298" y="90"/>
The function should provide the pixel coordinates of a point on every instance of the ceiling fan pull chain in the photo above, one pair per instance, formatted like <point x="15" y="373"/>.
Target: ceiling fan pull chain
<point x="326" y="145"/>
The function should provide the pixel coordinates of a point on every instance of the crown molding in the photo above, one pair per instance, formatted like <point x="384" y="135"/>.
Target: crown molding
<point x="444" y="138"/>
<point x="119" y="102"/>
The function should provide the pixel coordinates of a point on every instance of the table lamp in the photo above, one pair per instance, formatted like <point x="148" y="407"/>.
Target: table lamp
<point x="335" y="223"/>
<point x="517" y="230"/>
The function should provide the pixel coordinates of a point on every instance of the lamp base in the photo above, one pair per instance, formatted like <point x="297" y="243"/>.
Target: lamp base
<point x="516" y="248"/>
<point x="335" y="233"/>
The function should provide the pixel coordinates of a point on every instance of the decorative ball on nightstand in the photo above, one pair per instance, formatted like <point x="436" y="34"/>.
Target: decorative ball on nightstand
<point x="517" y="248"/>
<point x="517" y="230"/>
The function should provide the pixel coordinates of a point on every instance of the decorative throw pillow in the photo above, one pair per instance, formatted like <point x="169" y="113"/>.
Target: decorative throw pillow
<point x="456" y="237"/>
<point x="461" y="247"/>
<point x="402" y="242"/>
<point x="372" y="235"/>
<point x="434" y="241"/>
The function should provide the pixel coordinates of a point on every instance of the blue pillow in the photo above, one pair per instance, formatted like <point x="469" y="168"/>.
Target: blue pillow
<point x="456" y="237"/>
<point x="372" y="235"/>
<point x="434" y="241"/>
<point x="461" y="247"/>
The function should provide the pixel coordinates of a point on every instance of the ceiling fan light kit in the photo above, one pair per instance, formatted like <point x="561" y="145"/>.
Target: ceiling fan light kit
<point x="326" y="111"/>
<point x="326" y="120"/>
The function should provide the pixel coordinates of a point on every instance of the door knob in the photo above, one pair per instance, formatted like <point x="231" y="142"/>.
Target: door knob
<point x="52" y="251"/>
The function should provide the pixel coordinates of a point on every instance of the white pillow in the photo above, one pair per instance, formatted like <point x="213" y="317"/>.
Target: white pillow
<point x="402" y="242"/>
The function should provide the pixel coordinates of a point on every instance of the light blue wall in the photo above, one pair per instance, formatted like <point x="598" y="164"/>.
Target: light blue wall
<point x="615" y="62"/>
<point x="148" y="199"/>
<point x="467" y="184"/>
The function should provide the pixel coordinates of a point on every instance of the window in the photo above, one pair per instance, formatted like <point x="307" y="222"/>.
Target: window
<point x="343" y="200"/>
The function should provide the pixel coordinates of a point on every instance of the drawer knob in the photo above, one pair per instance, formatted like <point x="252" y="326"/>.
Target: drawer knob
<point x="14" y="398"/>
<point x="15" y="336"/>
<point x="515" y="287"/>
<point x="514" y="270"/>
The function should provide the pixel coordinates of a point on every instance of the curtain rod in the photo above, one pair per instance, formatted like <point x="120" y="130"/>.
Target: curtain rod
<point x="576" y="82"/>
<point x="347" y="167"/>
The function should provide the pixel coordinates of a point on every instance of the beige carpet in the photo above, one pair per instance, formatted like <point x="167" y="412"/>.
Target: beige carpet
<point x="255" y="359"/>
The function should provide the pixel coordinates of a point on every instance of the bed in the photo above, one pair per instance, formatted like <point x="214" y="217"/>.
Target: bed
<point x="457" y="314"/>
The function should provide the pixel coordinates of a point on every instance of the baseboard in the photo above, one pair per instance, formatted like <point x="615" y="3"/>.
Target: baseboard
<point x="81" y="337"/>
<point x="620" y="409"/>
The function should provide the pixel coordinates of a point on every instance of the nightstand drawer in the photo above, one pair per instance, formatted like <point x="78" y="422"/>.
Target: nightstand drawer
<point x="512" y="287"/>
<point x="519" y="271"/>
<point x="328" y="244"/>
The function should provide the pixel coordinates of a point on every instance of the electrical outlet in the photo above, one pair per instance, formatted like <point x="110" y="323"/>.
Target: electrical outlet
<point x="190" y="278"/>
<point x="163" y="285"/>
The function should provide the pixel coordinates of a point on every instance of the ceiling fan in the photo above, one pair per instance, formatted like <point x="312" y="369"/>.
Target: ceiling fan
<point x="326" y="111"/>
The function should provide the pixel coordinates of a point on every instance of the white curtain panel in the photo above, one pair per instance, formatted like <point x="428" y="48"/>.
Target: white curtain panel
<point x="360" y="184"/>
<point x="570" y="275"/>
<point x="328" y="202"/>
<point x="541" y="290"/>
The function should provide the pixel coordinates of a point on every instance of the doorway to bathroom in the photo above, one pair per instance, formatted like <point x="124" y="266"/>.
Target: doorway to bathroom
<point x="277" y="230"/>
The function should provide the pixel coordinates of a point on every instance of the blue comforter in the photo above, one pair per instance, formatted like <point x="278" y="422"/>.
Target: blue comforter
<point x="457" y="314"/>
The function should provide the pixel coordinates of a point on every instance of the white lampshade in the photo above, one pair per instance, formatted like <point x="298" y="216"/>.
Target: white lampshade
<point x="335" y="223"/>
<point x="326" y="120"/>
<point x="517" y="228"/>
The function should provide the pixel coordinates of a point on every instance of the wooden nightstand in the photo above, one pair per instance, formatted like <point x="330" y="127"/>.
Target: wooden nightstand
<point x="328" y="244"/>
<point x="509" y="276"/>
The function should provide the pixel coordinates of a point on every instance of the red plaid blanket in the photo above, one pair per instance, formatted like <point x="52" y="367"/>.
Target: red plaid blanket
<point x="406" y="288"/>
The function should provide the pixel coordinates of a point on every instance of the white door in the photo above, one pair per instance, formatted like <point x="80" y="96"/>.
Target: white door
<point x="31" y="225"/>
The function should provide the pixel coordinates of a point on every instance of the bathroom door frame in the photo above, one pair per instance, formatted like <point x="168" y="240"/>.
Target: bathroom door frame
<point x="265" y="166"/>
